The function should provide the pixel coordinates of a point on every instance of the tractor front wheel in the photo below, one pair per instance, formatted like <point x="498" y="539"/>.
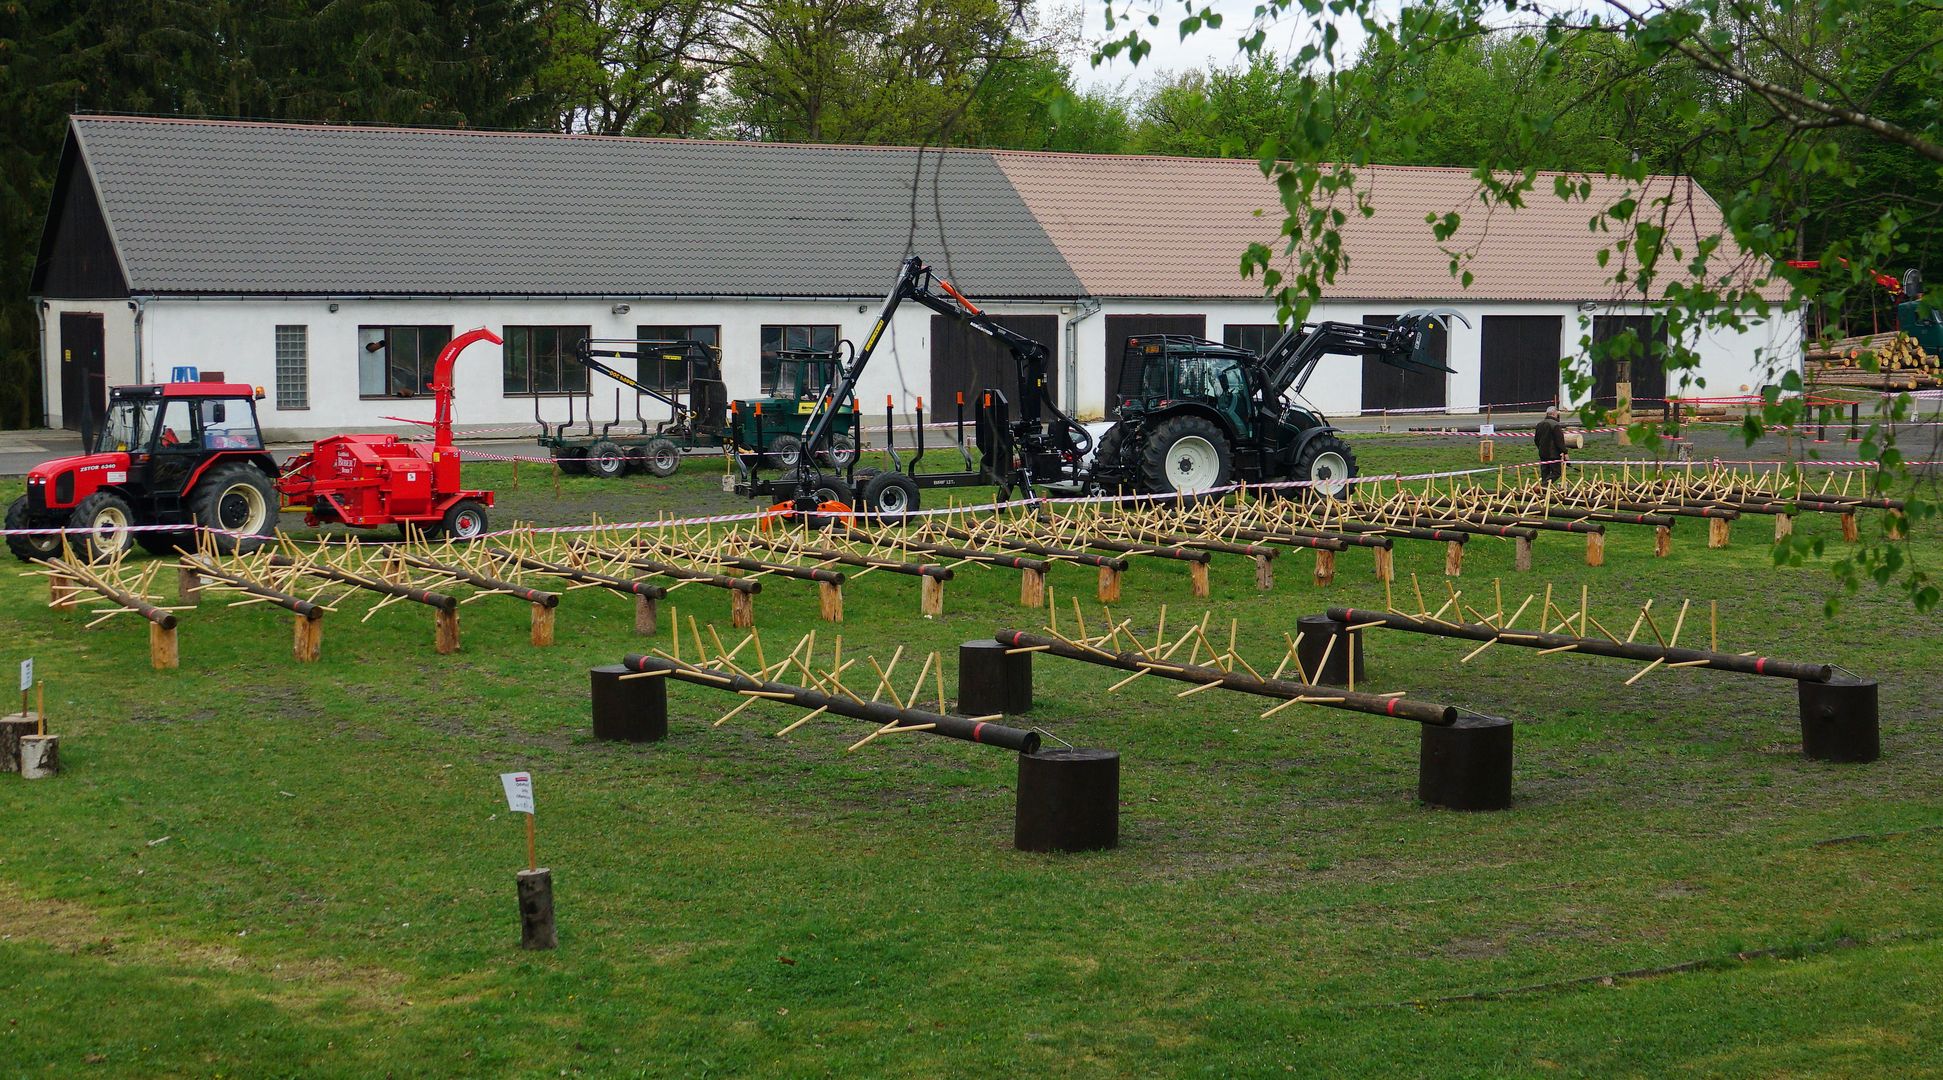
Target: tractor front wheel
<point x="238" y="506"/>
<point x="105" y="517"/>
<point x="1187" y="455"/>
<point x="29" y="548"/>
<point x="465" y="520"/>
<point x="1328" y="464"/>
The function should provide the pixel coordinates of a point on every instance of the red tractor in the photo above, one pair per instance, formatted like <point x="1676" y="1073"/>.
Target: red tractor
<point x="175" y="454"/>
<point x="371" y="480"/>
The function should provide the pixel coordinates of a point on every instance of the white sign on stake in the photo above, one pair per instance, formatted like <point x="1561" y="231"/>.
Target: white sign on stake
<point x="26" y="674"/>
<point x="519" y="791"/>
<point x="1487" y="429"/>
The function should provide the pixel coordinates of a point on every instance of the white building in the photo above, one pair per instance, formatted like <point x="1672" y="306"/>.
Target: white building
<point x="328" y="264"/>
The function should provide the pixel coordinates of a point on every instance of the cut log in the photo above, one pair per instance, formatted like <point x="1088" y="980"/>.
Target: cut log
<point x="162" y="654"/>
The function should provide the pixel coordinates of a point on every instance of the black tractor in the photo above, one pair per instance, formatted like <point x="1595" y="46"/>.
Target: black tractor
<point x="1196" y="415"/>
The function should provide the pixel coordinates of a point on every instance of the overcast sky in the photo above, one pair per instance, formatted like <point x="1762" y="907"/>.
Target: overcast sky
<point x="1203" y="49"/>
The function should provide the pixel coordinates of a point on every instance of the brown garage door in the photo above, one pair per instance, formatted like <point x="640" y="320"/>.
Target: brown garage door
<point x="966" y="361"/>
<point x="1520" y="355"/>
<point x="1121" y="327"/>
<point x="1649" y="364"/>
<point x="1388" y="387"/>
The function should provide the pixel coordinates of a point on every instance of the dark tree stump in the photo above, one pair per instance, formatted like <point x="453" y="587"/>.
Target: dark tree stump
<point x="1467" y="765"/>
<point x="1069" y="800"/>
<point x="1839" y="721"/>
<point x="628" y="710"/>
<point x="992" y="681"/>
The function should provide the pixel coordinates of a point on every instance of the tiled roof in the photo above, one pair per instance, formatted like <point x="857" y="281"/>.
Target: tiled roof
<point x="1163" y="227"/>
<point x="228" y="207"/>
<point x="235" y="207"/>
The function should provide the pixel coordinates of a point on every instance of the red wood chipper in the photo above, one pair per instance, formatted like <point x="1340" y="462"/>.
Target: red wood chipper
<point x="371" y="480"/>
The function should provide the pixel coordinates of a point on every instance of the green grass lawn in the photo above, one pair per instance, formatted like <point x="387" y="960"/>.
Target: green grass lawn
<point x="254" y="867"/>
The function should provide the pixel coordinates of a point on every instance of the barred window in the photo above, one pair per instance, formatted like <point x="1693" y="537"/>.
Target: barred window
<point x="293" y="367"/>
<point x="540" y="360"/>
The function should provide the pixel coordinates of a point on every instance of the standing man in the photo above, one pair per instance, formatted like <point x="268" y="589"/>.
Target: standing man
<point x="1550" y="437"/>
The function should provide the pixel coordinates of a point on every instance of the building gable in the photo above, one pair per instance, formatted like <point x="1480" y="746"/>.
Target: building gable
<point x="77" y="258"/>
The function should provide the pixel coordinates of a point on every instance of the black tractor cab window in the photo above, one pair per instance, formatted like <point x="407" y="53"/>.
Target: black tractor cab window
<point x="128" y="425"/>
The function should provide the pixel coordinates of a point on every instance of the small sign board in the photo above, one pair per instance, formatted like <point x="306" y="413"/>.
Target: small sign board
<point x="519" y="791"/>
<point x="183" y="374"/>
<point x="1487" y="429"/>
<point x="26" y="674"/>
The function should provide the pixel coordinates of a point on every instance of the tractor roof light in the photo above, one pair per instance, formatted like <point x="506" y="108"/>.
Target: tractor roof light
<point x="259" y="393"/>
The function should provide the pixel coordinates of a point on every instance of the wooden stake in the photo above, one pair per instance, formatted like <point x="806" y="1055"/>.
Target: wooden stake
<point x="1713" y="626"/>
<point x="1197" y="576"/>
<point x="829" y="596"/>
<point x="542" y="631"/>
<point x="532" y="848"/>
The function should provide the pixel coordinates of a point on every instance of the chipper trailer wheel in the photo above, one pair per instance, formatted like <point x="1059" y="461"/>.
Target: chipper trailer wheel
<point x="239" y="507"/>
<point x="842" y="451"/>
<point x="1186" y="455"/>
<point x="29" y="548"/>
<point x="106" y="516"/>
<point x="786" y="450"/>
<point x="466" y="520"/>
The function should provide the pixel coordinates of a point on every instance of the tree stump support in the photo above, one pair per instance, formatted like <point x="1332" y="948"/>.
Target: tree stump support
<point x="1325" y="567"/>
<point x="1069" y="800"/>
<point x="1466" y="765"/>
<point x="1265" y="572"/>
<point x="1662" y="541"/>
<point x="1032" y="588"/>
<point x="1521" y="559"/>
<point x="445" y="631"/>
<point x="644" y="613"/>
<point x="40" y="756"/>
<point x="1718" y="532"/>
<point x="1850" y="533"/>
<point x="1595" y="549"/>
<point x="1784" y="527"/>
<point x="536" y="929"/>
<point x="1197" y="578"/>
<point x="306" y="638"/>
<point x="12" y="729"/>
<point x="162" y="652"/>
<point x="1453" y="558"/>
<point x="1109" y="592"/>
<point x="931" y="595"/>
<point x="993" y="680"/>
<point x="829" y="600"/>
<point x="742" y="610"/>
<point x="1386" y="564"/>
<point x="188" y="586"/>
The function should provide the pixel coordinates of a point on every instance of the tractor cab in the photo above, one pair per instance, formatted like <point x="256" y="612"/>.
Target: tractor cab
<point x="773" y="425"/>
<point x="1925" y="326"/>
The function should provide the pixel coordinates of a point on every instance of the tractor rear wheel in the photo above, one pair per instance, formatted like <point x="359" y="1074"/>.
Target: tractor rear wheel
<point x="464" y="520"/>
<point x="890" y="495"/>
<point x="571" y="460"/>
<point x="1186" y="456"/>
<point x="237" y="505"/>
<point x="1328" y="464"/>
<point x="662" y="457"/>
<point x="605" y="459"/>
<point x="106" y="517"/>
<point x="28" y="548"/>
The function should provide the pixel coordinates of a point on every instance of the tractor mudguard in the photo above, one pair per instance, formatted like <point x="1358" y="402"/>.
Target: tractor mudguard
<point x="1157" y="417"/>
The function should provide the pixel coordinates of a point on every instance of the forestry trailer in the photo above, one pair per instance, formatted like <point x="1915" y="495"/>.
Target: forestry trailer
<point x="1194" y="415"/>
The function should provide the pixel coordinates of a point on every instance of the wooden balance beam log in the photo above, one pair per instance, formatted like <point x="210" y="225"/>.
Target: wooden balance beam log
<point x="1032" y="571"/>
<point x="445" y="608"/>
<point x="307" y="630"/>
<point x="163" y="653"/>
<point x="931" y="576"/>
<point x="646" y="595"/>
<point x="542" y="603"/>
